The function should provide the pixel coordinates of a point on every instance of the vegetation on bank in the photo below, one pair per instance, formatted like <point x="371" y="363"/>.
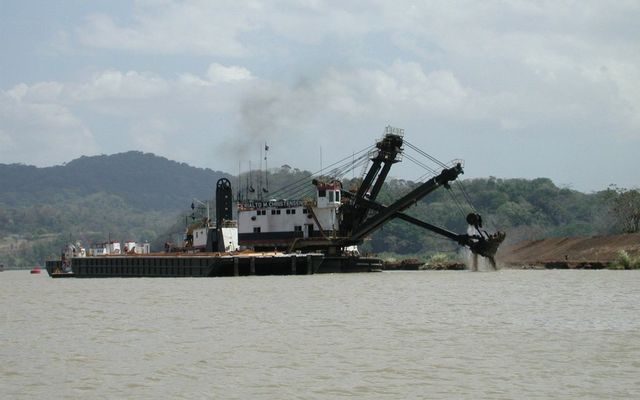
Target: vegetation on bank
<point x="142" y="197"/>
<point x="625" y="261"/>
<point x="439" y="261"/>
<point x="31" y="234"/>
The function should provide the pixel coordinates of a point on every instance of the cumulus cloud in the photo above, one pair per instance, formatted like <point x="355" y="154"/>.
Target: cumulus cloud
<point x="112" y="84"/>
<point x="41" y="92"/>
<point x="286" y="114"/>
<point x="152" y="135"/>
<point x="401" y="87"/>
<point x="480" y="73"/>
<point x="465" y="54"/>
<point x="221" y="73"/>
<point x="36" y="131"/>
<point x="219" y="28"/>
<point x="217" y="73"/>
<point x="197" y="27"/>
<point x="126" y="110"/>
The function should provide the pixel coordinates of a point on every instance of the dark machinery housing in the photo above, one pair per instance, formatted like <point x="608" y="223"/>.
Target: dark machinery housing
<point x="360" y="214"/>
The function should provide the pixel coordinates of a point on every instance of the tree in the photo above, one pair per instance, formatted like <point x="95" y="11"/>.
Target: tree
<point x="626" y="208"/>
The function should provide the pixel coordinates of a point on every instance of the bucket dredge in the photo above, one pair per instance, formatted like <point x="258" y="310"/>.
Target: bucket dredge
<point x="360" y="214"/>
<point x="481" y="243"/>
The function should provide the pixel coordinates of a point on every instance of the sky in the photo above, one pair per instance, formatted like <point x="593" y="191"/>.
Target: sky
<point x="517" y="89"/>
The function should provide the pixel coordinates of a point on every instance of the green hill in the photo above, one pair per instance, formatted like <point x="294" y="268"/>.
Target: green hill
<point x="129" y="195"/>
<point x="144" y="181"/>
<point x="141" y="196"/>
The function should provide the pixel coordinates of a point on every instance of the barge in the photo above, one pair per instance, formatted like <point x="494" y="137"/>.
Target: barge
<point x="211" y="265"/>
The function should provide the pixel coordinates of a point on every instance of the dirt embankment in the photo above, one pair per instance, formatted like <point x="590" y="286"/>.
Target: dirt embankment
<point x="570" y="252"/>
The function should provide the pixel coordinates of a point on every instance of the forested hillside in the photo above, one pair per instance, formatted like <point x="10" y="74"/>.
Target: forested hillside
<point x="525" y="209"/>
<point x="144" y="197"/>
<point x="144" y="181"/>
<point x="130" y="195"/>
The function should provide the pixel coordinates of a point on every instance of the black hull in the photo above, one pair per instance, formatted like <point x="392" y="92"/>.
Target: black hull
<point x="62" y="275"/>
<point x="350" y="264"/>
<point x="201" y="266"/>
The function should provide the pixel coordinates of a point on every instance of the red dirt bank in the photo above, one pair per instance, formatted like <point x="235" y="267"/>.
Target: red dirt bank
<point x="570" y="252"/>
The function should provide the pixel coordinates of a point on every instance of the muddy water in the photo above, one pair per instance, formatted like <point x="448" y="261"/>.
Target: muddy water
<point x="438" y="335"/>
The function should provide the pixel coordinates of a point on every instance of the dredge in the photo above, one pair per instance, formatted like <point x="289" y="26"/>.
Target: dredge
<point x="317" y="234"/>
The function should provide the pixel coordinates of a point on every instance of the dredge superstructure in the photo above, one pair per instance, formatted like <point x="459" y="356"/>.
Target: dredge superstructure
<point x="316" y="234"/>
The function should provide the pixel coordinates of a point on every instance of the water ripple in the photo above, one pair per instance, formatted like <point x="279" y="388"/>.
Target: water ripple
<point x="440" y="335"/>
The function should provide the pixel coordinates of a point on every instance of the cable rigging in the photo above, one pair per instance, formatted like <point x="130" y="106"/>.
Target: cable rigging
<point x="340" y="168"/>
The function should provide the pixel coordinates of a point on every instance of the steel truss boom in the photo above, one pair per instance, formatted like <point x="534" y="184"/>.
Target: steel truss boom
<point x="483" y="243"/>
<point x="357" y="220"/>
<point x="386" y="213"/>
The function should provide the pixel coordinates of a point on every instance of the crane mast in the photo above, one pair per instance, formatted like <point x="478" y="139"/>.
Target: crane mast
<point x="388" y="151"/>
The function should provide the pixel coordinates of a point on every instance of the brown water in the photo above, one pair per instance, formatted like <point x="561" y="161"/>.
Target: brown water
<point x="397" y="335"/>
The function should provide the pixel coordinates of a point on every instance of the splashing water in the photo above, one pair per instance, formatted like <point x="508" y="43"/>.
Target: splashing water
<point x="475" y="262"/>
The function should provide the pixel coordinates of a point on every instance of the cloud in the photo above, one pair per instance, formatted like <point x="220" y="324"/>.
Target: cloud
<point x="498" y="60"/>
<point x="152" y="135"/>
<point x="122" y="109"/>
<point x="621" y="83"/>
<point x="488" y="75"/>
<point x="220" y="29"/>
<point x="486" y="53"/>
<point x="191" y="27"/>
<point x="217" y="73"/>
<point x="41" y="92"/>
<point x="322" y="108"/>
<point x="117" y="85"/>
<point x="40" y="132"/>
<point x="402" y="88"/>
<point x="221" y="73"/>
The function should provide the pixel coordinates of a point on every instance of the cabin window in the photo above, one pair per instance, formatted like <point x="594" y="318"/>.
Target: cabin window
<point x="278" y="212"/>
<point x="264" y="212"/>
<point x="304" y="211"/>
<point x="331" y="196"/>
<point x="273" y="212"/>
<point x="297" y="228"/>
<point x="337" y="196"/>
<point x="293" y="211"/>
<point x="256" y="229"/>
<point x="288" y="211"/>
<point x="322" y="193"/>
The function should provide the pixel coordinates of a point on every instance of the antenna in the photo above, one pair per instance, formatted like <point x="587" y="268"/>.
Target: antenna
<point x="260" y="177"/>
<point x="266" y="168"/>
<point x="250" y="188"/>
<point x="320" y="161"/>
